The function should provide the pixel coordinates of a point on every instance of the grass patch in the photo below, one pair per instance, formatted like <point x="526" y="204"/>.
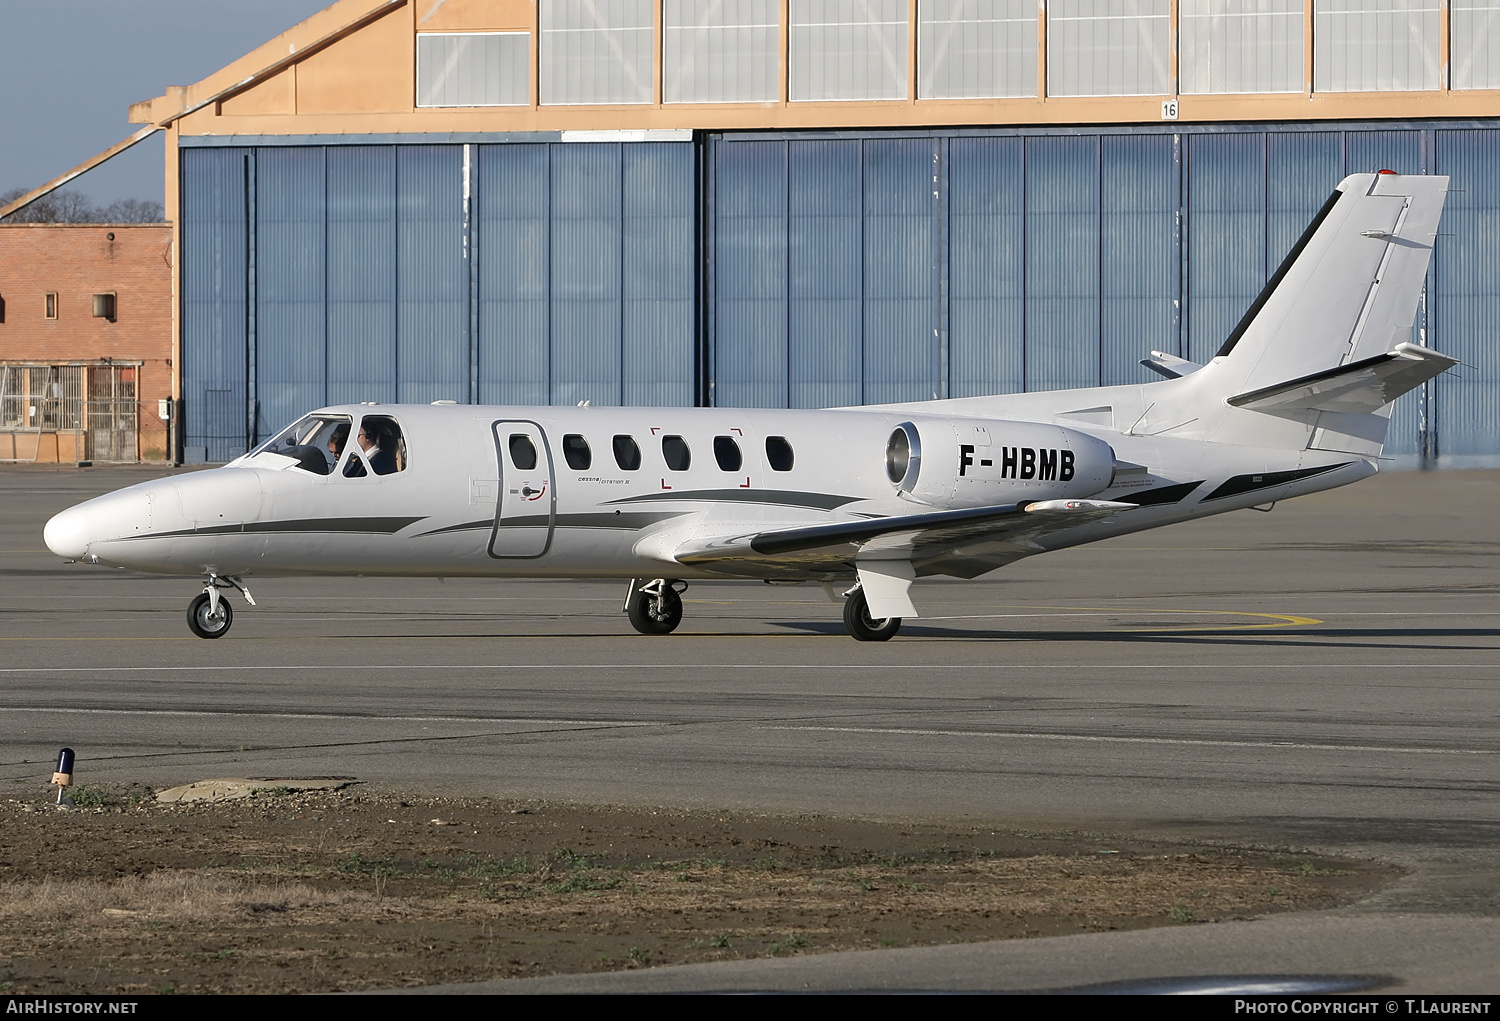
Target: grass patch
<point x="358" y="864"/>
<point x="87" y="797"/>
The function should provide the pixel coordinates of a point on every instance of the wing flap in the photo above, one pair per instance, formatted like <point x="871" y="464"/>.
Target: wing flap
<point x="907" y="537"/>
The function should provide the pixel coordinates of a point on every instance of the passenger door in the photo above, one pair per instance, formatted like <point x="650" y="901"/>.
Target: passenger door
<point x="527" y="508"/>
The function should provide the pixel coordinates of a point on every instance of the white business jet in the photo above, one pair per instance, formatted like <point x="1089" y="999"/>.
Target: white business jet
<point x="862" y="500"/>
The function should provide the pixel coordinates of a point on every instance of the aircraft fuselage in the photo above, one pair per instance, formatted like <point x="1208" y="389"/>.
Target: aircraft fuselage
<point x="462" y="506"/>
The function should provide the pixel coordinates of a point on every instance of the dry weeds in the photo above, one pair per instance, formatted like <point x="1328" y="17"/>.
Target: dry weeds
<point x="352" y="890"/>
<point x="179" y="897"/>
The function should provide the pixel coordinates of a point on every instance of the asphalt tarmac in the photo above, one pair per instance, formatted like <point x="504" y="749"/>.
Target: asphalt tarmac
<point x="1325" y="676"/>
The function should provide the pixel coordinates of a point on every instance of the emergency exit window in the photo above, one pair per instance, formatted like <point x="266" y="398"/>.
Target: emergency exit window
<point x="779" y="453"/>
<point x="674" y="450"/>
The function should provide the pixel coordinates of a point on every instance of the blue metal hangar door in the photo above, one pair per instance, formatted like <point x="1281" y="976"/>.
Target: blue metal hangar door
<point x="215" y="311"/>
<point x="861" y="267"/>
<point x="535" y="273"/>
<point x="586" y="273"/>
<point x="1467" y="305"/>
<point x="865" y="270"/>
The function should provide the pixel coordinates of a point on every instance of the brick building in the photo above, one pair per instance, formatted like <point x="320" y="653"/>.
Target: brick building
<point x="85" y="341"/>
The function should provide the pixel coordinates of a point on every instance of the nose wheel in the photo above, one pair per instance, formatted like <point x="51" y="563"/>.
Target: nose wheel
<point x="655" y="608"/>
<point x="861" y="626"/>
<point x="209" y="615"/>
<point x="206" y="620"/>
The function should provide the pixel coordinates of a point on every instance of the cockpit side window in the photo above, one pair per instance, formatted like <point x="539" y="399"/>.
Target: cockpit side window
<point x="315" y="442"/>
<point x="382" y="444"/>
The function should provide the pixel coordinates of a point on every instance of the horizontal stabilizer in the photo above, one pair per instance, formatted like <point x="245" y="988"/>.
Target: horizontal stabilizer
<point x="1359" y="388"/>
<point x="1169" y="365"/>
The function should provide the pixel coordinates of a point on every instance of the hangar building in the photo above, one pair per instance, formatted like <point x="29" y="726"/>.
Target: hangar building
<point x="802" y="203"/>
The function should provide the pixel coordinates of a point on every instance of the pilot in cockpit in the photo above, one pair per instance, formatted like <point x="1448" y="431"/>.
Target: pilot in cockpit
<point x="336" y="443"/>
<point x="380" y="443"/>
<point x="375" y="442"/>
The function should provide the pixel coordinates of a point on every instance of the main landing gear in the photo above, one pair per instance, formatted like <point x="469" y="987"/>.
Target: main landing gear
<point x="209" y="615"/>
<point x="861" y="626"/>
<point x="655" y="607"/>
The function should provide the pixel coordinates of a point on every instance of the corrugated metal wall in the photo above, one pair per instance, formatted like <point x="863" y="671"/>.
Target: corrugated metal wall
<point x="853" y="268"/>
<point x="515" y="274"/>
<point x="837" y="269"/>
<point x="586" y="273"/>
<point x="215" y="315"/>
<point x="1467" y="311"/>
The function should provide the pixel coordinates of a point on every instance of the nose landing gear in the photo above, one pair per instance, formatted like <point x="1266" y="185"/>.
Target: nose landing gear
<point x="861" y="626"/>
<point x="655" y="608"/>
<point x="209" y="615"/>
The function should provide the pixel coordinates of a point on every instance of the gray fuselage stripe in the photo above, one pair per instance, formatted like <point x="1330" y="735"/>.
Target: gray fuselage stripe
<point x="779" y="497"/>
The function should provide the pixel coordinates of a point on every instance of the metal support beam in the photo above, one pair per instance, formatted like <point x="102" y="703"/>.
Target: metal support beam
<point x="82" y="168"/>
<point x="297" y="56"/>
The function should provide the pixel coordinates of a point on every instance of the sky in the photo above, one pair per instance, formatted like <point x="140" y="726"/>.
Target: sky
<point x="69" y="70"/>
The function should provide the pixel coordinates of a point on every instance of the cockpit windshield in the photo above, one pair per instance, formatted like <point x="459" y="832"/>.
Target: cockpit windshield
<point x="315" y="442"/>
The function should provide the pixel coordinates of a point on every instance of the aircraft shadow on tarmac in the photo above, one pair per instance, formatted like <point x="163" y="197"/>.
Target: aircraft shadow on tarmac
<point x="1228" y="635"/>
<point x="1206" y="636"/>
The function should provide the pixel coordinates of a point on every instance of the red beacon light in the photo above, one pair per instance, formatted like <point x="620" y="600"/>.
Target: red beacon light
<point x="1391" y="172"/>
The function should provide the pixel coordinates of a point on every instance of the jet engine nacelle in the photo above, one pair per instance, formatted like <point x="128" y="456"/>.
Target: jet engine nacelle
<point x="953" y="463"/>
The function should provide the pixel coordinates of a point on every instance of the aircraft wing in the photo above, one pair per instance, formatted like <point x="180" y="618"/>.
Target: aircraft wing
<point x="966" y="542"/>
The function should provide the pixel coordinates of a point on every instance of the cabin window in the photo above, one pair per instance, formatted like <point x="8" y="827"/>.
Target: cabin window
<point x="779" y="453"/>
<point x="315" y="442"/>
<point x="522" y="452"/>
<point x="627" y="454"/>
<point x="576" y="452"/>
<point x="727" y="453"/>
<point x="675" y="450"/>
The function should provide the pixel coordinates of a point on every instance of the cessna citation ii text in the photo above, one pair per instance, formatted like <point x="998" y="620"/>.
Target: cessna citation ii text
<point x="863" y="500"/>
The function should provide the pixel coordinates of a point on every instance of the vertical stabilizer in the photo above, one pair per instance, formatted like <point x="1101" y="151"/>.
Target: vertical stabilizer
<point x="1349" y="288"/>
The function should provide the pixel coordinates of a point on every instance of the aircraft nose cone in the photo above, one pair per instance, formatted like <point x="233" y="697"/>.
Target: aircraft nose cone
<point x="68" y="534"/>
<point x="82" y="531"/>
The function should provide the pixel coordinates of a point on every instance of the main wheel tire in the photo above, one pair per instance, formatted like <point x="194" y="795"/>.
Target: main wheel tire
<point x="648" y="620"/>
<point x="203" y="623"/>
<point x="864" y="628"/>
